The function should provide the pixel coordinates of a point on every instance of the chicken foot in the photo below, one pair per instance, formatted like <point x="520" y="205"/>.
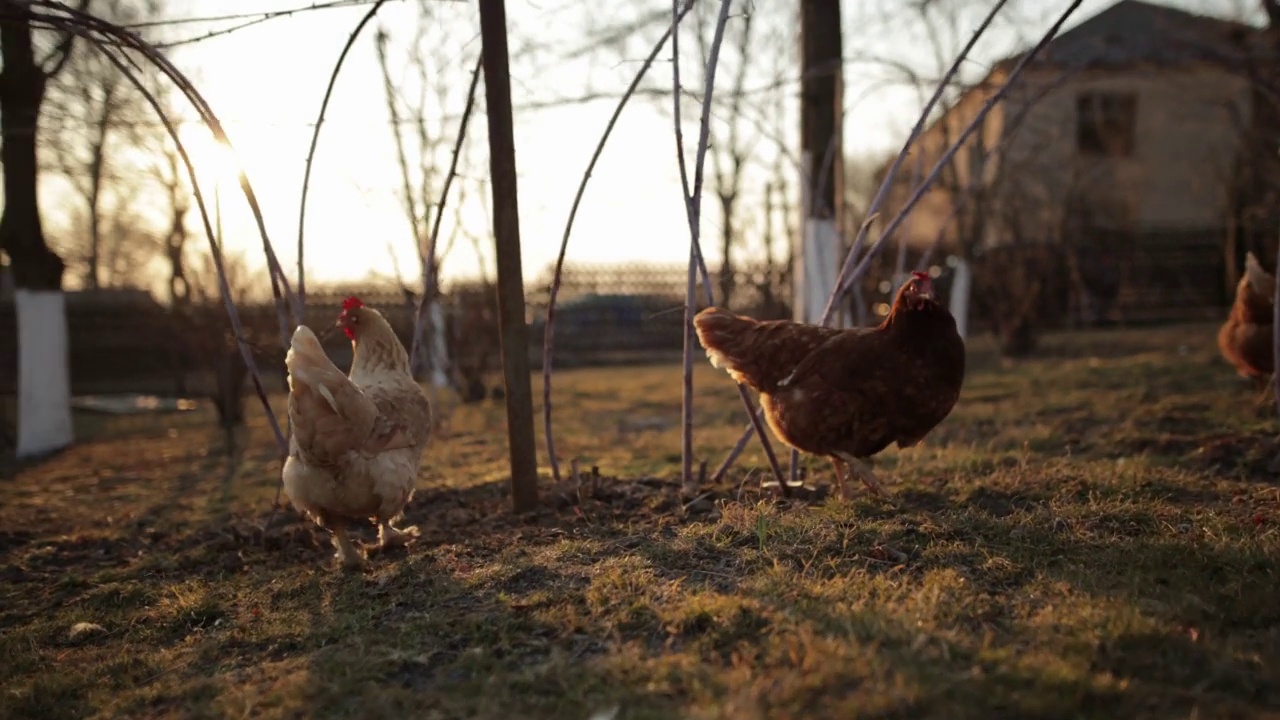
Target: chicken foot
<point x="348" y="555"/>
<point x="862" y="469"/>
<point x="390" y="536"/>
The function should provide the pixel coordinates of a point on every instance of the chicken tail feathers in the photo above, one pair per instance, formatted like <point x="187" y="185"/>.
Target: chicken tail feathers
<point x="330" y="415"/>
<point x="728" y="340"/>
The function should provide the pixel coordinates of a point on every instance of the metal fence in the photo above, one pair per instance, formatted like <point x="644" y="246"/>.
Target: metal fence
<point x="125" y="341"/>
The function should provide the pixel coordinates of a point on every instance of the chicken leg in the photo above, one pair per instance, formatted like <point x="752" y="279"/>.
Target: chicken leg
<point x="348" y="554"/>
<point x="842" y="473"/>
<point x="863" y="470"/>
<point x="1267" y="392"/>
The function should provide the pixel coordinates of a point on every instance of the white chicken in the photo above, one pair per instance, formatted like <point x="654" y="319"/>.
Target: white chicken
<point x="357" y="439"/>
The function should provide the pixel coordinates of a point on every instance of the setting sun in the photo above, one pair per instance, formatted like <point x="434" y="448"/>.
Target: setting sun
<point x="217" y="165"/>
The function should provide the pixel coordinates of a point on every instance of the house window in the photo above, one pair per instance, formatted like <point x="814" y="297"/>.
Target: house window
<point x="1105" y="123"/>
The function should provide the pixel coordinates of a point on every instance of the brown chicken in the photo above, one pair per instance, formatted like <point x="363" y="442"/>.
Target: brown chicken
<point x="357" y="439"/>
<point x="847" y="394"/>
<point x="1245" y="339"/>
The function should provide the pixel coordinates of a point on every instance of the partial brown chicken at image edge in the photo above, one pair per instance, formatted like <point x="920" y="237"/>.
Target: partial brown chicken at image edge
<point x="1246" y="338"/>
<point x="847" y="394"/>
<point x="357" y="438"/>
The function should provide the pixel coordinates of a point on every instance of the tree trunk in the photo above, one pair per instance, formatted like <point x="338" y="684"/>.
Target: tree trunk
<point x="438" y="349"/>
<point x="1260" y="184"/>
<point x="96" y="167"/>
<point x="44" y="381"/>
<point x="22" y="84"/>
<point x="961" y="289"/>
<point x="819" y="261"/>
<point x="727" y="231"/>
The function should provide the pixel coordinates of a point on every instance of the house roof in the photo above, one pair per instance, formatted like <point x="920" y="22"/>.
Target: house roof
<point x="1135" y="32"/>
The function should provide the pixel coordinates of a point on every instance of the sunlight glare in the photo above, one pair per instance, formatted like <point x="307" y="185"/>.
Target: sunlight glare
<point x="217" y="164"/>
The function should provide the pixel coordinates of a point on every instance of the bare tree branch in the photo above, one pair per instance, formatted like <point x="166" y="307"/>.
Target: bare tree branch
<point x="548" y="337"/>
<point x="315" y="139"/>
<point x="428" y="293"/>
<point x="847" y="276"/>
<point x="874" y="207"/>
<point x="60" y="55"/>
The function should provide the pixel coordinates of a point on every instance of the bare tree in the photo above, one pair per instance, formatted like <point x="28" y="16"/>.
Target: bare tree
<point x="96" y="124"/>
<point x="44" y="383"/>
<point x="424" y="136"/>
<point x="177" y="195"/>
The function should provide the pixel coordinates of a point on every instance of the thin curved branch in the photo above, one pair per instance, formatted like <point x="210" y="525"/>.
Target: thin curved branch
<point x="693" y="203"/>
<point x="849" y="273"/>
<point x="61" y="51"/>
<point x="548" y="331"/>
<point x="420" y="316"/>
<point x="851" y="276"/>
<point x="94" y="30"/>
<point x="315" y="140"/>
<point x="892" y="173"/>
<point x="67" y="17"/>
<point x="246" y="352"/>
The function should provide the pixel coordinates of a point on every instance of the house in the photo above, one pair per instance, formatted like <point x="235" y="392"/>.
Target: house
<point x="1124" y="146"/>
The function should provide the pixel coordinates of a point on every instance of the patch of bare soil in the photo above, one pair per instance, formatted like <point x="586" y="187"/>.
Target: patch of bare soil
<point x="482" y="514"/>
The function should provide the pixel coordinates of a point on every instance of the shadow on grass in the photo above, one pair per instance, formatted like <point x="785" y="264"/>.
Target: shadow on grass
<point x="1141" y="617"/>
<point x="599" y="601"/>
<point x="416" y="641"/>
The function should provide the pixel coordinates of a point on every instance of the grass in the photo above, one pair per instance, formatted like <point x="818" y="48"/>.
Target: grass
<point x="1092" y="533"/>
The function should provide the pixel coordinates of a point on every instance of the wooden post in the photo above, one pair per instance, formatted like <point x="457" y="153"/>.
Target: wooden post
<point x="506" y="238"/>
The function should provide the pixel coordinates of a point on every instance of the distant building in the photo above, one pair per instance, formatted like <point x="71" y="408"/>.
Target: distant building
<point x="1127" y="143"/>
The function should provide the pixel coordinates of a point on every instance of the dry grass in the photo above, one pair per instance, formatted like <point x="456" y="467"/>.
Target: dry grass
<point x="1091" y="534"/>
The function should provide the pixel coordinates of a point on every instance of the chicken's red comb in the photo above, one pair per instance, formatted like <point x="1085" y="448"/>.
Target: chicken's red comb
<point x="352" y="303"/>
<point x="921" y="275"/>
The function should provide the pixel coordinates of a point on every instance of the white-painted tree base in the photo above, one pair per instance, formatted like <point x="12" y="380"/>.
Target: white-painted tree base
<point x="961" y="289"/>
<point x="44" y="376"/>
<point x="438" y="348"/>
<point x="817" y="266"/>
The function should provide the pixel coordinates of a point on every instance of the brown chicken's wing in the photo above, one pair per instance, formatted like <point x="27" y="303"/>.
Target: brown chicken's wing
<point x="846" y="362"/>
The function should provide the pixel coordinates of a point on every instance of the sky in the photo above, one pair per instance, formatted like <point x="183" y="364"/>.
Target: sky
<point x="266" y="83"/>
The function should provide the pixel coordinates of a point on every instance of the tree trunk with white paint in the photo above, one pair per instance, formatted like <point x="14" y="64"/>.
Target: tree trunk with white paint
<point x="438" y="349"/>
<point x="961" y="289"/>
<point x="44" y="377"/>
<point x="816" y="267"/>
<point x="822" y="161"/>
